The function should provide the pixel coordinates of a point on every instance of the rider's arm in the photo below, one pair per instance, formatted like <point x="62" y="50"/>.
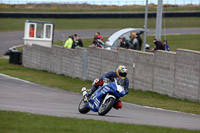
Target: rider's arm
<point x="126" y="86"/>
<point x="109" y="75"/>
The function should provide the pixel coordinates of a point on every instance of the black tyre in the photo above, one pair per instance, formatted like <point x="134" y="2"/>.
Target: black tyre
<point x="82" y="107"/>
<point x="106" y="107"/>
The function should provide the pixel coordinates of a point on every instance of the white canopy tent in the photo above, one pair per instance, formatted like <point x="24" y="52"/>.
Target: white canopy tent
<point x="113" y="40"/>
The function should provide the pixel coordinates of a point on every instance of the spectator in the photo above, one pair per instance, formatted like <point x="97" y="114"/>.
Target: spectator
<point x="75" y="36"/>
<point x="166" y="45"/>
<point x="98" y="35"/>
<point x="123" y="43"/>
<point x="158" y="45"/>
<point x="98" y="40"/>
<point x="69" y="42"/>
<point x="137" y="42"/>
<point x="130" y="42"/>
<point x="31" y="31"/>
<point x="78" y="42"/>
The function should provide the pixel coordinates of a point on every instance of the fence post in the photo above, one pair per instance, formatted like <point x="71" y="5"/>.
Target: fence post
<point x="84" y="70"/>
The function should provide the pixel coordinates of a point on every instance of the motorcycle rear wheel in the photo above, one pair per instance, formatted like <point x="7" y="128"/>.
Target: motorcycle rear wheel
<point x="106" y="107"/>
<point x="82" y="108"/>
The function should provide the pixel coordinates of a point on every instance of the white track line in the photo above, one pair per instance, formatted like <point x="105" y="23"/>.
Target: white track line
<point x="16" y="78"/>
<point x="160" y="109"/>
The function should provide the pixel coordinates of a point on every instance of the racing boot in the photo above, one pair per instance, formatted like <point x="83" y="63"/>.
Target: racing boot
<point x="91" y="91"/>
<point x="118" y="105"/>
<point x="95" y="85"/>
<point x="84" y="92"/>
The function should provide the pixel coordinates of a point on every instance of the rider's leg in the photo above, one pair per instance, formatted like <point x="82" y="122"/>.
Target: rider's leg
<point x="95" y="86"/>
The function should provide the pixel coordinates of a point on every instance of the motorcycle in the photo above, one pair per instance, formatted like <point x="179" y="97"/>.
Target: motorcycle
<point x="103" y="99"/>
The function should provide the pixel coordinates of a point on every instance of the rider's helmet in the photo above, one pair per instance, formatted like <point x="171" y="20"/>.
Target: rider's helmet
<point x="122" y="71"/>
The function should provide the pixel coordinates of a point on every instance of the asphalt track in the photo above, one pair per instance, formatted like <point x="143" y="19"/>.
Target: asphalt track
<point x="9" y="39"/>
<point x="19" y="95"/>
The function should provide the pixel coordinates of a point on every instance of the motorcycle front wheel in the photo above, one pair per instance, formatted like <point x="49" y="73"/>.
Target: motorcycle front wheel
<point x="82" y="108"/>
<point x="106" y="107"/>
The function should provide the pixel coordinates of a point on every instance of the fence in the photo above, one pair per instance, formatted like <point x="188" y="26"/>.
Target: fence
<point x="175" y="74"/>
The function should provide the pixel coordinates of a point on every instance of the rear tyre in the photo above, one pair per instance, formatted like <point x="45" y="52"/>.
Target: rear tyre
<point x="106" y="107"/>
<point x="82" y="108"/>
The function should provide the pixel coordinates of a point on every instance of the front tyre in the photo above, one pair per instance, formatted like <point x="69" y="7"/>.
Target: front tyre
<point x="82" y="108"/>
<point x="106" y="107"/>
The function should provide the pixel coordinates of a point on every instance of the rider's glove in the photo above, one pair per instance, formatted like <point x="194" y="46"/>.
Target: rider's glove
<point x="98" y="82"/>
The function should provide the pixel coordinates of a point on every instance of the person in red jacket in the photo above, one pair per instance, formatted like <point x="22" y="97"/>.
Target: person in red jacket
<point x="97" y="37"/>
<point x="31" y="31"/>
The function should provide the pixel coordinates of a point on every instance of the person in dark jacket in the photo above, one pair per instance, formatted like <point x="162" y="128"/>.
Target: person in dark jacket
<point x="78" y="42"/>
<point x="121" y="73"/>
<point x="137" y="42"/>
<point x="158" y="45"/>
<point x="123" y="43"/>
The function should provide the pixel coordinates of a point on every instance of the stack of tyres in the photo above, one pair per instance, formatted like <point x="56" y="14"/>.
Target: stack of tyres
<point x="15" y="58"/>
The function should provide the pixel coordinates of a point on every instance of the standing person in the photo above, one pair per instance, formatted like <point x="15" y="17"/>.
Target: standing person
<point x="98" y="40"/>
<point x="69" y="42"/>
<point x="139" y="40"/>
<point x="31" y="31"/>
<point x="158" y="45"/>
<point x="75" y="36"/>
<point x="78" y="42"/>
<point x="166" y="45"/>
<point x="123" y="43"/>
<point x="136" y="43"/>
<point x="130" y="42"/>
<point x="98" y="35"/>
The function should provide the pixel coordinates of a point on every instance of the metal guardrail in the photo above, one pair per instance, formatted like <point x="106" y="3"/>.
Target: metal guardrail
<point x="97" y="15"/>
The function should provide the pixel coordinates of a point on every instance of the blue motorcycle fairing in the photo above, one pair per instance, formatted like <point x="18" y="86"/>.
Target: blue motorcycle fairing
<point x="97" y="97"/>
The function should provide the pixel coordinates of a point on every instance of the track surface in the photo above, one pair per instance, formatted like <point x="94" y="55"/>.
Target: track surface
<point x="17" y="95"/>
<point x="9" y="39"/>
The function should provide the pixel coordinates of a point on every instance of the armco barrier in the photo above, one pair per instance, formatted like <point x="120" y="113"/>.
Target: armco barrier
<point x="175" y="74"/>
<point x="97" y="15"/>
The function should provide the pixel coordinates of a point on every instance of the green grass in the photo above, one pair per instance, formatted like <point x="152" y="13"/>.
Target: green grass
<point x="70" y="84"/>
<point x="6" y="24"/>
<point x="190" y="41"/>
<point x="18" y="122"/>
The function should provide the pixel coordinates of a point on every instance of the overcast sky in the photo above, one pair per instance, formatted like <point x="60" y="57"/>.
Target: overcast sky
<point x="104" y="2"/>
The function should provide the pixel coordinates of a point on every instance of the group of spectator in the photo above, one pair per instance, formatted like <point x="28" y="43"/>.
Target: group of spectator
<point x="160" y="45"/>
<point x="73" y="41"/>
<point x="134" y="42"/>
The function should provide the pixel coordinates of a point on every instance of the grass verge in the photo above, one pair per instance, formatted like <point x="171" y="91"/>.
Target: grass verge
<point x="190" y="41"/>
<point x="17" y="122"/>
<point x="6" y="24"/>
<point x="56" y="7"/>
<point x="60" y="81"/>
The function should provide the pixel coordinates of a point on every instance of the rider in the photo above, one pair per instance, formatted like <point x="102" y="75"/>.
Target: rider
<point x="121" y="73"/>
